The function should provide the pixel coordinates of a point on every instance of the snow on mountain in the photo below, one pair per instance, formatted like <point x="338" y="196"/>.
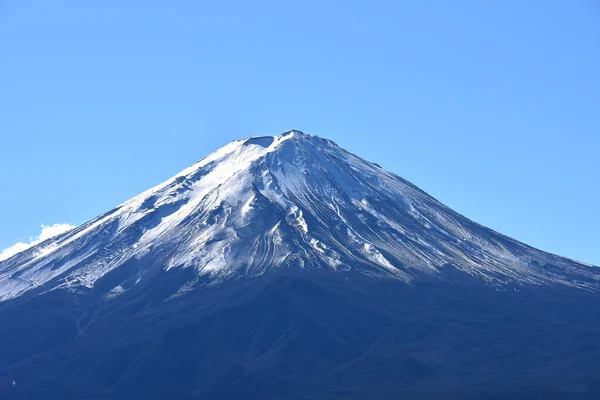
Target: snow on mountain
<point x="289" y="201"/>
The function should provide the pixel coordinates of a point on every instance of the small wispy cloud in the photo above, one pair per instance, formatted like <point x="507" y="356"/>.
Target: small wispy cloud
<point x="47" y="232"/>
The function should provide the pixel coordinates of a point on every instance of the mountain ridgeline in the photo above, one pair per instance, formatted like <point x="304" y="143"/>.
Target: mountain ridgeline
<point x="286" y="267"/>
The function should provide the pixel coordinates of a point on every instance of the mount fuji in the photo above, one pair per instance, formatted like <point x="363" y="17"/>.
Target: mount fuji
<point x="286" y="267"/>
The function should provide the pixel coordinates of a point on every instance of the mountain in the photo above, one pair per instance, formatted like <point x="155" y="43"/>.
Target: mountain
<point x="287" y="267"/>
<point x="270" y="203"/>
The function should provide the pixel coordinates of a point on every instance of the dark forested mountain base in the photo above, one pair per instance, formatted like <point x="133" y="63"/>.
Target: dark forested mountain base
<point x="296" y="335"/>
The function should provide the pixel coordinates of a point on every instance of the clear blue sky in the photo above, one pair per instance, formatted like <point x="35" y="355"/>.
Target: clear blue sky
<point x="493" y="107"/>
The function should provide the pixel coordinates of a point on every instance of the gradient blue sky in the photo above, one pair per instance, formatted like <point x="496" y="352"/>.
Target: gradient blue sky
<point x="493" y="107"/>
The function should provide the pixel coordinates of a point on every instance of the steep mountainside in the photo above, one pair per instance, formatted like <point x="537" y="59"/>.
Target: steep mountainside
<point x="287" y="268"/>
<point x="290" y="201"/>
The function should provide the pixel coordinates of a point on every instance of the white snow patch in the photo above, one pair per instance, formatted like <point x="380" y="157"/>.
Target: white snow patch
<point x="247" y="205"/>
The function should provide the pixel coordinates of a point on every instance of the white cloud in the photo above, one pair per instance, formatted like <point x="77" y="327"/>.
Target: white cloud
<point x="47" y="232"/>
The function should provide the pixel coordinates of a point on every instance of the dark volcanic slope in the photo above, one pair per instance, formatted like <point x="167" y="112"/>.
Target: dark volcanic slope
<point x="306" y="335"/>
<point x="287" y="268"/>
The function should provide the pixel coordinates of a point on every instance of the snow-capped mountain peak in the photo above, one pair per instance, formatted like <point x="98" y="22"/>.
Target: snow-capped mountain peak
<point x="273" y="202"/>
